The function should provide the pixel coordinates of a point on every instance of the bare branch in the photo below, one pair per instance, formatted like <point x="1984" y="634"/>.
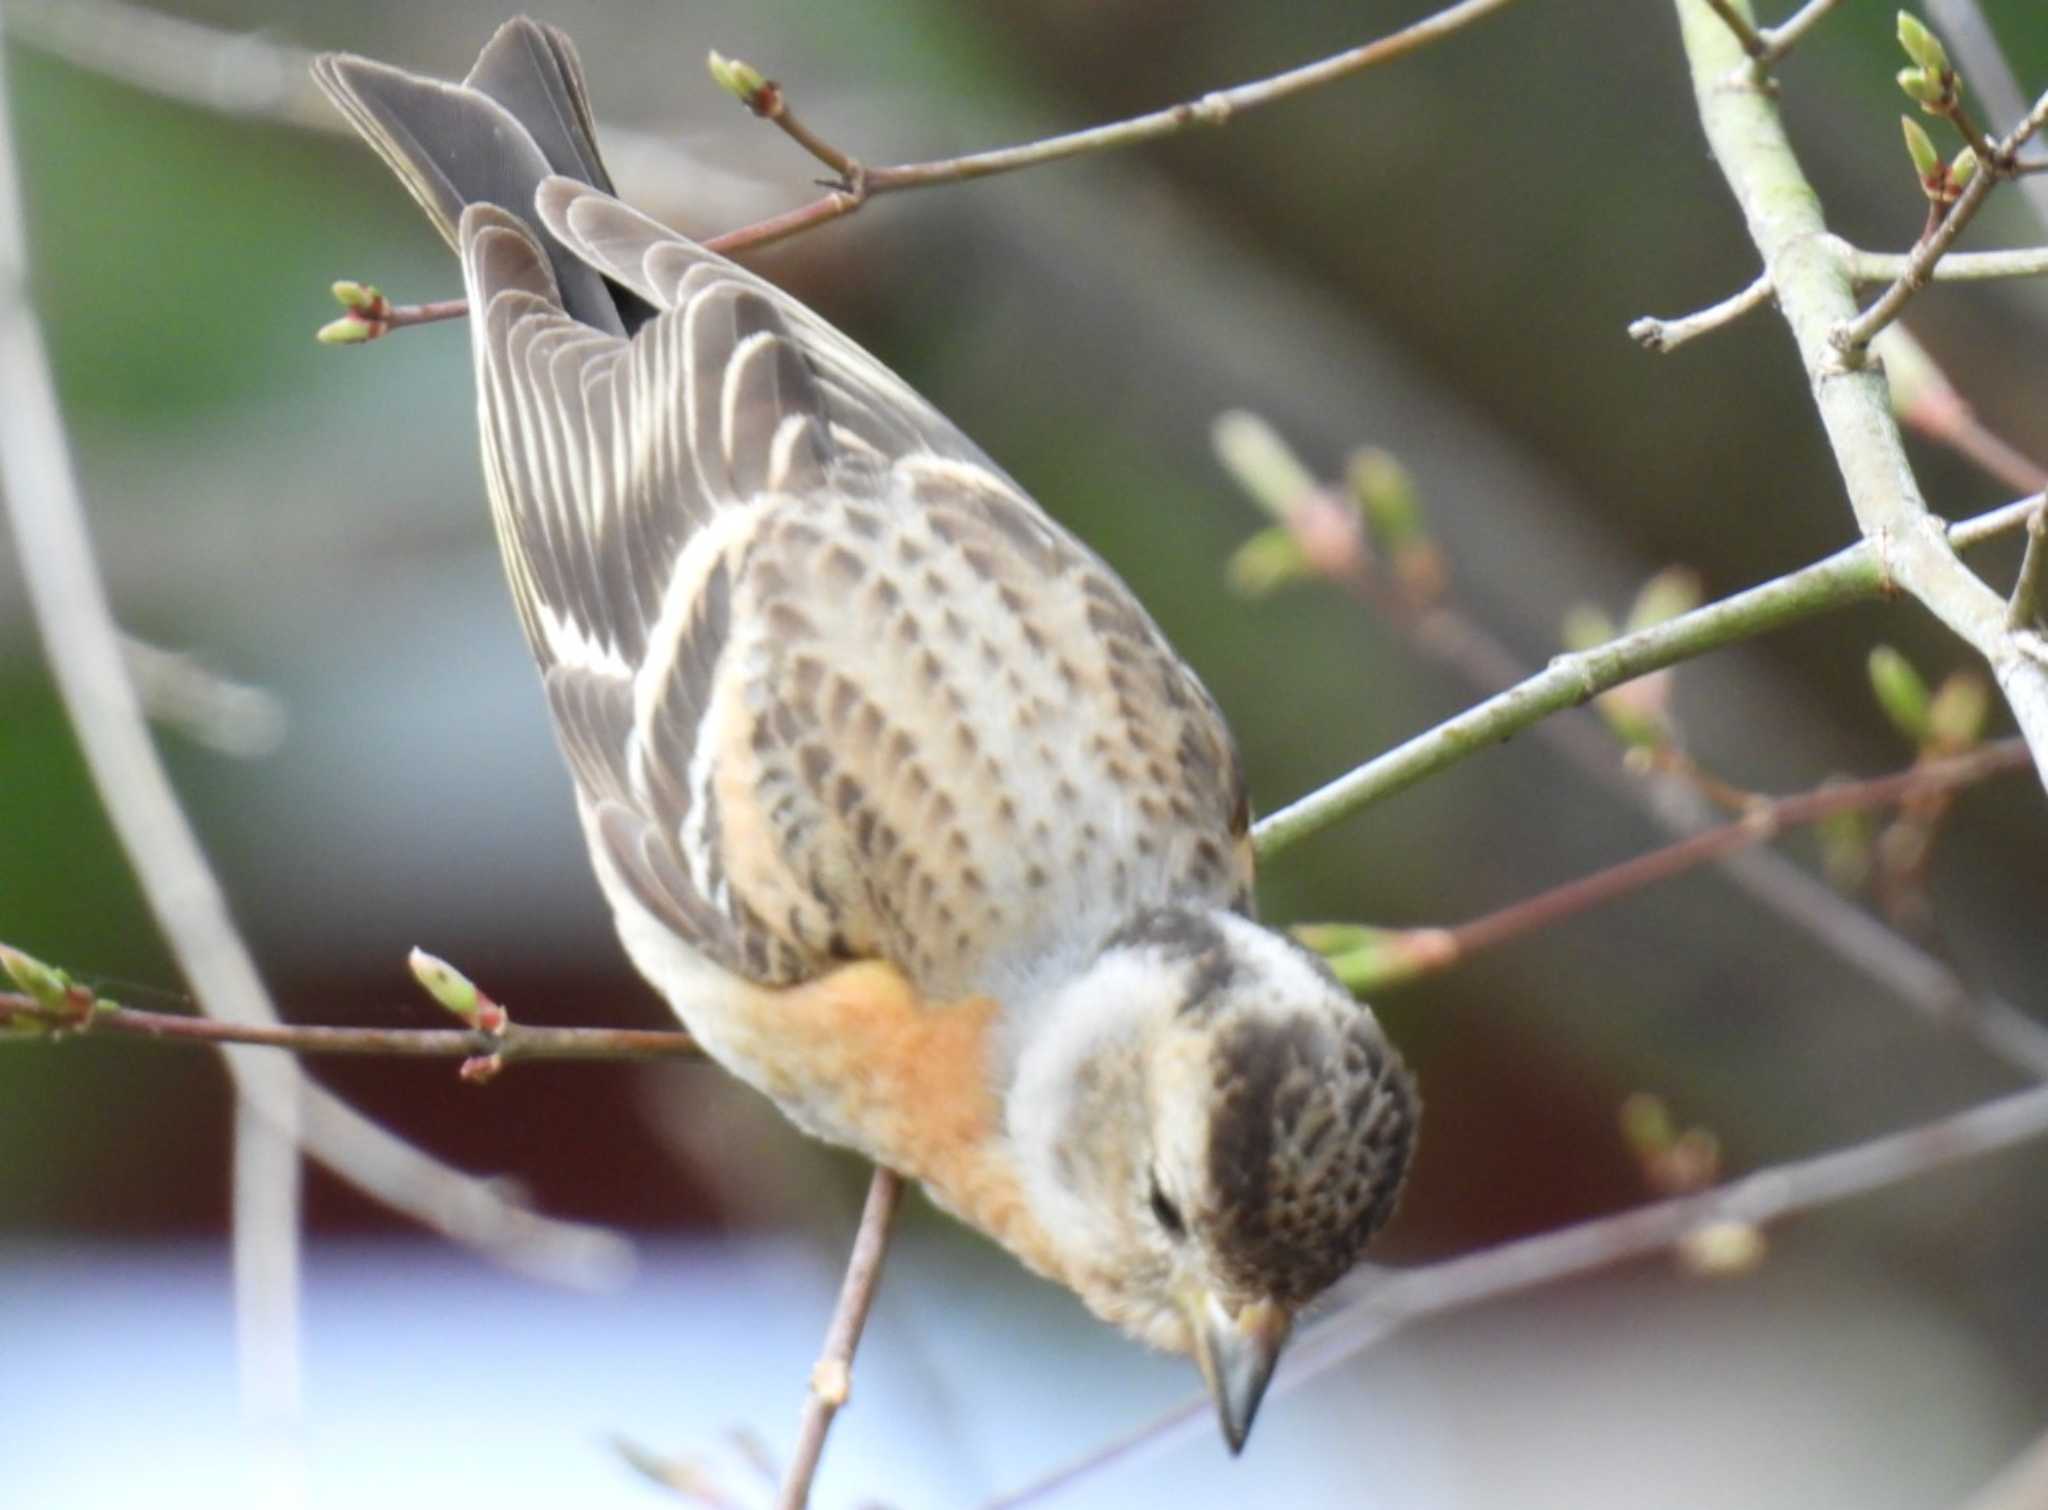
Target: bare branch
<point x="1663" y="335"/>
<point x="1786" y="35"/>
<point x="859" y="184"/>
<point x="1848" y="576"/>
<point x="68" y="600"/>
<point x="515" y="1040"/>
<point x="2024" y="609"/>
<point x="832" y="1376"/>
<point x="1982" y="61"/>
<point x="1387" y="1302"/>
<point x="1746" y="35"/>
<point x="1815" y="295"/>
<point x="1927" y="402"/>
<point x="1853" y="336"/>
<point x="1765" y="820"/>
<point x="227" y="716"/>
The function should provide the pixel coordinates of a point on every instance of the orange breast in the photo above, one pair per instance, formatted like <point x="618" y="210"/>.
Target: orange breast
<point x="907" y="1082"/>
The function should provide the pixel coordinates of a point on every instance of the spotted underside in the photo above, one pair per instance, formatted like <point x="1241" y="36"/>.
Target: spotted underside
<point x="832" y="687"/>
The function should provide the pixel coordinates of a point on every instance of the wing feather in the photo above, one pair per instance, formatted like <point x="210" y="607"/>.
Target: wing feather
<point x="831" y="685"/>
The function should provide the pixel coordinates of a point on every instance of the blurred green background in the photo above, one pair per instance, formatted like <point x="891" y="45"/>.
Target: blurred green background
<point x="1440" y="257"/>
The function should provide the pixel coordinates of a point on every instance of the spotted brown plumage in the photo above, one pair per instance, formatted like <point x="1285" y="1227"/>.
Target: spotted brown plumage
<point x="898" y="794"/>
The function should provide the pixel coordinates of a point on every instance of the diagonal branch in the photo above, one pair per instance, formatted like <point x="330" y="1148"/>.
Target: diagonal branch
<point x="831" y="1378"/>
<point x="856" y="184"/>
<point x="1391" y="1301"/>
<point x="1816" y="295"/>
<point x="68" y="600"/>
<point x="1849" y="576"/>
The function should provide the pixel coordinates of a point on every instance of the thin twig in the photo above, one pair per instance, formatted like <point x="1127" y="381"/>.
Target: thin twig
<point x="2024" y="608"/>
<point x="858" y="184"/>
<point x="1849" y="576"/>
<point x="1392" y="1301"/>
<point x="1863" y="267"/>
<point x="88" y="661"/>
<point x="69" y="603"/>
<point x="1982" y="61"/>
<point x="1747" y="136"/>
<point x="1664" y="335"/>
<point x="832" y="1376"/>
<point x="516" y="1040"/>
<point x="1786" y="35"/>
<point x="1901" y="967"/>
<point x="1764" y="822"/>
<point x="1853" y="336"/>
<point x="766" y="99"/>
<point x="1927" y="402"/>
<point x="1957" y="267"/>
<point x="1746" y="34"/>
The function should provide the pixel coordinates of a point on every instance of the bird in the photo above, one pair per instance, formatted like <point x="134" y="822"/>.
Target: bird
<point x="899" y="797"/>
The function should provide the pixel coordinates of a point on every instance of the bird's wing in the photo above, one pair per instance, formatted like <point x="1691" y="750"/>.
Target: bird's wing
<point x="831" y="685"/>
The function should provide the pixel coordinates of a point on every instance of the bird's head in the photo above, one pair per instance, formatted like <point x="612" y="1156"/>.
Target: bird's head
<point x="1210" y="1128"/>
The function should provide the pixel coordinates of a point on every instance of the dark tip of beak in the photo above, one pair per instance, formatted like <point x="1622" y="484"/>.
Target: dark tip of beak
<point x="1237" y="1355"/>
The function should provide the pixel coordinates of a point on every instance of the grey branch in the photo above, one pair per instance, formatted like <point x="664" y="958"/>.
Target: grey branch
<point x="1384" y="1302"/>
<point x="1786" y="35"/>
<point x="1851" y="575"/>
<point x="1862" y="267"/>
<point x="2023" y="611"/>
<point x="1817" y="298"/>
<point x="68" y="599"/>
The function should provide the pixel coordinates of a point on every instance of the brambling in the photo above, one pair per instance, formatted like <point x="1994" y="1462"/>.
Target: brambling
<point x="898" y="796"/>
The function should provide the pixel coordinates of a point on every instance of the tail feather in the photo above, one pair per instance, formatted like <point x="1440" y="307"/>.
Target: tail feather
<point x="521" y="117"/>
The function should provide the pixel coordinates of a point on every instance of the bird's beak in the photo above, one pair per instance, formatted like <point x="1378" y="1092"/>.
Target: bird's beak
<point x="1237" y="1354"/>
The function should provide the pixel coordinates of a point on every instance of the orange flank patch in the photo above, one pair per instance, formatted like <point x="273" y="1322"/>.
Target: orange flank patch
<point x="909" y="1081"/>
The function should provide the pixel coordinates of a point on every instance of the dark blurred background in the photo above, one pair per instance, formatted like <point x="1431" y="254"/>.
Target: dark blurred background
<point x="1440" y="257"/>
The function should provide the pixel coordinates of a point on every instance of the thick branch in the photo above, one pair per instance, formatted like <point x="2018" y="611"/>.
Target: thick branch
<point x="1817" y="297"/>
<point x="1848" y="576"/>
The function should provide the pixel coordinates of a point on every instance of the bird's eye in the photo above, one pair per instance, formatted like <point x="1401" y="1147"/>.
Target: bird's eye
<point x="1167" y="1213"/>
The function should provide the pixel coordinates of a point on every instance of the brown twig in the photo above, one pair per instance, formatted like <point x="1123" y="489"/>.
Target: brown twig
<point x="1927" y="402"/>
<point x="1765" y="820"/>
<point x="858" y="184"/>
<point x="1853" y="337"/>
<point x="1881" y="955"/>
<point x="831" y="1376"/>
<point x="516" y="1040"/>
